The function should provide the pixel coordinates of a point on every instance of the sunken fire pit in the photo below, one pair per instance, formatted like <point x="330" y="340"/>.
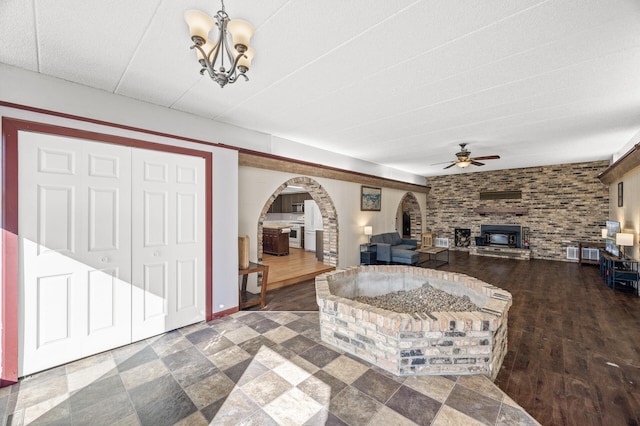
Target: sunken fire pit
<point x="418" y="343"/>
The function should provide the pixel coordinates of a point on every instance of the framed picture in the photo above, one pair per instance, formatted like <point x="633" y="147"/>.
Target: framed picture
<point x="370" y="198"/>
<point x="620" y="194"/>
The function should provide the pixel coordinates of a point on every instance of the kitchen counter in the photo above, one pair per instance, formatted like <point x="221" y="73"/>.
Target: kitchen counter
<point x="275" y="226"/>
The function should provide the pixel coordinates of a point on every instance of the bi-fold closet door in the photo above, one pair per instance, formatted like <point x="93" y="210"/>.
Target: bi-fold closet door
<point x="111" y="246"/>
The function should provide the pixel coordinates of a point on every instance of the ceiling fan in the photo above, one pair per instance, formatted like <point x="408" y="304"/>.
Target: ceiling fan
<point x="464" y="158"/>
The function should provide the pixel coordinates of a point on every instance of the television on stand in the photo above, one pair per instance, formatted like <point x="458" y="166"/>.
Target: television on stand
<point x="610" y="246"/>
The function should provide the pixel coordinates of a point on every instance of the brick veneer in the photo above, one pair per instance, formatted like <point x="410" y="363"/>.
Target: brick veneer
<point x="416" y="344"/>
<point x="566" y="203"/>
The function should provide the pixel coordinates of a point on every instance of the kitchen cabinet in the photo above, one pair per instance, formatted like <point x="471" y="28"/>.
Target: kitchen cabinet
<point x="283" y="202"/>
<point x="276" y="206"/>
<point x="275" y="242"/>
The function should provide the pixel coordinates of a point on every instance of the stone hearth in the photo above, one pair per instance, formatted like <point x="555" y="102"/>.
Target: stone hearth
<point x="414" y="344"/>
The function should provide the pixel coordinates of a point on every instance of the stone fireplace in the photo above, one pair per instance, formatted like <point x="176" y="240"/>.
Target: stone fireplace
<point x="419" y="343"/>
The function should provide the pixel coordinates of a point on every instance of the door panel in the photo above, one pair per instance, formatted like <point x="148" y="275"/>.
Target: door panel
<point x="74" y="234"/>
<point x="168" y="241"/>
<point x="155" y="218"/>
<point x="54" y="319"/>
<point x="187" y="288"/>
<point x="154" y="295"/>
<point x="97" y="270"/>
<point x="103" y="219"/>
<point x="101" y="298"/>
<point x="55" y="219"/>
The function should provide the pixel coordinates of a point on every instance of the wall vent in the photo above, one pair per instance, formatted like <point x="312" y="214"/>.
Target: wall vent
<point x="442" y="242"/>
<point x="572" y="253"/>
<point x="591" y="254"/>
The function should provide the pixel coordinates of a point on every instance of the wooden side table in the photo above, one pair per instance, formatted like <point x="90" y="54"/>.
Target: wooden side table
<point x="247" y="299"/>
<point x="428" y="239"/>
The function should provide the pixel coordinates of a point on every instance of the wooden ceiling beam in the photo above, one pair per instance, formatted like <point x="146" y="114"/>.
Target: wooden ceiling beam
<point x="261" y="160"/>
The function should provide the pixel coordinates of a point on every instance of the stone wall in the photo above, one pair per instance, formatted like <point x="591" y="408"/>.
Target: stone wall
<point x="565" y="204"/>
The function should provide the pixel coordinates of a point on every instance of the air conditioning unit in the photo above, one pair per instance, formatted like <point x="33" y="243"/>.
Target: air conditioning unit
<point x="572" y="253"/>
<point x="442" y="242"/>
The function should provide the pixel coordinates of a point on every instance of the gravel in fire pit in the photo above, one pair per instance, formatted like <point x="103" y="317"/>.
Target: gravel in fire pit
<point x="425" y="299"/>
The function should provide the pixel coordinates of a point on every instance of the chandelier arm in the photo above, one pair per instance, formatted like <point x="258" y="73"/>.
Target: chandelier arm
<point x="224" y="44"/>
<point x="207" y="65"/>
<point x="215" y="52"/>
<point x="235" y="63"/>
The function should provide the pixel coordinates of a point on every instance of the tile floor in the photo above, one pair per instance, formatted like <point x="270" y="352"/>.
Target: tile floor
<point x="250" y="368"/>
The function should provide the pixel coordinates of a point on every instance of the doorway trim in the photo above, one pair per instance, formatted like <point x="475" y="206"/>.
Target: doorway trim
<point x="10" y="256"/>
<point x="327" y="209"/>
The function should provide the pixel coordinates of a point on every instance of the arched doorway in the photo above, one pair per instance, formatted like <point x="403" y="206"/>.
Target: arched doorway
<point x="327" y="209"/>
<point x="409" y="217"/>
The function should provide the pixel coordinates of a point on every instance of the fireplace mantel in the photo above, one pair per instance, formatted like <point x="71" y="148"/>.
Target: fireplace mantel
<point x="489" y="210"/>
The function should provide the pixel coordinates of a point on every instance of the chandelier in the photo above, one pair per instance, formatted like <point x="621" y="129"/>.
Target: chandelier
<point x="228" y="57"/>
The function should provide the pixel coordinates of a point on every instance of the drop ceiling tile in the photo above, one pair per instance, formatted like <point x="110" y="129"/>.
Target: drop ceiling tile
<point x="17" y="32"/>
<point x="90" y="43"/>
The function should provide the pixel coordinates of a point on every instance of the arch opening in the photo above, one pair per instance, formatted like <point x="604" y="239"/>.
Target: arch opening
<point x="409" y="217"/>
<point x="327" y="211"/>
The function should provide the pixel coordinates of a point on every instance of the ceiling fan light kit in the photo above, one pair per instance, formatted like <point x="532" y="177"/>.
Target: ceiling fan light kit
<point x="230" y="45"/>
<point x="464" y="158"/>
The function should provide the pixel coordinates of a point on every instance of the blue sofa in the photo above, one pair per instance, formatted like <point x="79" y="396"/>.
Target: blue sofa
<point x="391" y="248"/>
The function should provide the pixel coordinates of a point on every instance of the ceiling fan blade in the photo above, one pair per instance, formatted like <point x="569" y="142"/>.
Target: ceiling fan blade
<point x="476" y="163"/>
<point x="486" y="157"/>
<point x="450" y="165"/>
<point x="442" y="162"/>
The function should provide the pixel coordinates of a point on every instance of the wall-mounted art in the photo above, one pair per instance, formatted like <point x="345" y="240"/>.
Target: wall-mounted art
<point x="620" y="194"/>
<point x="370" y="198"/>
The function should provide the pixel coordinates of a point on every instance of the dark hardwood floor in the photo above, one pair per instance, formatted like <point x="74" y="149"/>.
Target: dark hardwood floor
<point x="574" y="344"/>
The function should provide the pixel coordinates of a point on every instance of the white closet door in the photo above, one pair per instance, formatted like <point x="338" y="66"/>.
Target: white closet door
<point x="168" y="242"/>
<point x="75" y="249"/>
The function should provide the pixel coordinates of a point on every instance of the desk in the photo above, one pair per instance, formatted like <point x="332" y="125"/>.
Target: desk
<point x="247" y="299"/>
<point x="430" y="255"/>
<point x="619" y="273"/>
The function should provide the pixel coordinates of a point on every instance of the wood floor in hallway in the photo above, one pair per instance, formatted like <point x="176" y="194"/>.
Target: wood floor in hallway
<point x="574" y="343"/>
<point x="298" y="266"/>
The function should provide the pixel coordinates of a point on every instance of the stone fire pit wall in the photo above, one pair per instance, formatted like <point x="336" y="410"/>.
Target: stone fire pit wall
<point x="414" y="344"/>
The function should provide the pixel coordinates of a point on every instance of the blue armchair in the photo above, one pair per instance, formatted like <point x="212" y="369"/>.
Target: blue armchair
<point x="391" y="248"/>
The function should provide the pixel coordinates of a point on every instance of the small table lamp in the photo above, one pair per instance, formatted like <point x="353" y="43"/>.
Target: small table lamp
<point x="624" y="240"/>
<point x="368" y="231"/>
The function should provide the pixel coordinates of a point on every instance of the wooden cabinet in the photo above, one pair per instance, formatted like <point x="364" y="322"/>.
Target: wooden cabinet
<point x="276" y="206"/>
<point x="275" y="242"/>
<point x="283" y="202"/>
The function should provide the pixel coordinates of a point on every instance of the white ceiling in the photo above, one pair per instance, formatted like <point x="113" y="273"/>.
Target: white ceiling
<point x="399" y="83"/>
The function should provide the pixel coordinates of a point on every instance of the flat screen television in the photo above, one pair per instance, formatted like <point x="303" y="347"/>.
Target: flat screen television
<point x="610" y="243"/>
